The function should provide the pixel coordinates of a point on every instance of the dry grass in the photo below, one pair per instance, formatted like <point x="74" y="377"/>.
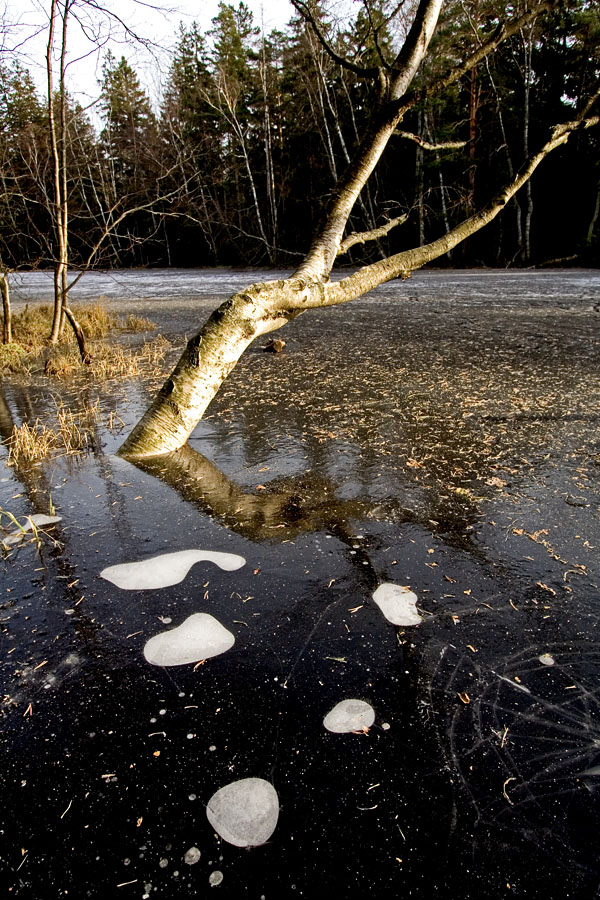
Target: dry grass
<point x="73" y="433"/>
<point x="29" y="353"/>
<point x="110" y="360"/>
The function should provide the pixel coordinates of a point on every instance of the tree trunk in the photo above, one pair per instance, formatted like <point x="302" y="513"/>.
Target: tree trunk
<point x="207" y="360"/>
<point x="214" y="351"/>
<point x="7" y="318"/>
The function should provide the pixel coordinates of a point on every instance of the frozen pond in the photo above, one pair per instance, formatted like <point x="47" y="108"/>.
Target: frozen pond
<point x="395" y="521"/>
<point x="468" y="287"/>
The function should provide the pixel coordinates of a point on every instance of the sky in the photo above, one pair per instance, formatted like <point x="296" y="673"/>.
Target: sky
<point x="28" y="34"/>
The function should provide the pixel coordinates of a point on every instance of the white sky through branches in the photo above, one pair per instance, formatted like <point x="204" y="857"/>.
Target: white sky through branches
<point x="156" y="24"/>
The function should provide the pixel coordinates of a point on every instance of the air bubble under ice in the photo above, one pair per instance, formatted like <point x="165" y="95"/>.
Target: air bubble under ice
<point x="200" y="636"/>
<point x="348" y="716"/>
<point x="244" y="813"/>
<point x="398" y="604"/>
<point x="166" y="569"/>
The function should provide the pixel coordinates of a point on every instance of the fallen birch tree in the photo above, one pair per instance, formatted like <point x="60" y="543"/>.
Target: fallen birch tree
<point x="212" y="353"/>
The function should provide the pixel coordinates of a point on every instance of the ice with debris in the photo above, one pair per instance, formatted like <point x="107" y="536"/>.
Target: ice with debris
<point x="244" y="813"/>
<point x="200" y="636"/>
<point x="38" y="520"/>
<point x="166" y="569"/>
<point x="348" y="716"/>
<point x="398" y="604"/>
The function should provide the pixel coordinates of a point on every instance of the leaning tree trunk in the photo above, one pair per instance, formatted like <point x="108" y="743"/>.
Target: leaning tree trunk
<point x="213" y="352"/>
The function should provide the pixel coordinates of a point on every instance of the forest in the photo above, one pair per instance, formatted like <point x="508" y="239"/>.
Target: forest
<point x="236" y="161"/>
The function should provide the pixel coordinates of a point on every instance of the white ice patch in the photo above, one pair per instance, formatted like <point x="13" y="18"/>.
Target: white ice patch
<point x="167" y="569"/>
<point x="348" y="716"/>
<point x="244" y="813"/>
<point x="546" y="659"/>
<point x="192" y="856"/>
<point x="398" y="604"/>
<point x="38" y="520"/>
<point x="199" y="637"/>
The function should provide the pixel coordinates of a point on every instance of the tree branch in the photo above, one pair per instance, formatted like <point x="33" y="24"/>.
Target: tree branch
<point x="502" y="33"/>
<point x="427" y="145"/>
<point x="363" y="237"/>
<point x="364" y="71"/>
<point x="369" y="277"/>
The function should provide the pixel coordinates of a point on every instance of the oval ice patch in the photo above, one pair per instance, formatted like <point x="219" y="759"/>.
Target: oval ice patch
<point x="199" y="637"/>
<point x="348" y="716"/>
<point x="244" y="813"/>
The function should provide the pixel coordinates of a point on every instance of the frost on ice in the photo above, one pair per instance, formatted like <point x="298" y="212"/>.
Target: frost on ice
<point x="199" y="637"/>
<point x="38" y="520"/>
<point x="244" y="813"/>
<point x="398" y="604"/>
<point x="167" y="569"/>
<point x="348" y="716"/>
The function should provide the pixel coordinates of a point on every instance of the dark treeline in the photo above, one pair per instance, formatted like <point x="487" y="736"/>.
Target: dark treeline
<point x="254" y="129"/>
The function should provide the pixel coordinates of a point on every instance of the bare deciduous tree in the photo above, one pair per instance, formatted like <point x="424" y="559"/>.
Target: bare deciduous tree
<point x="261" y="308"/>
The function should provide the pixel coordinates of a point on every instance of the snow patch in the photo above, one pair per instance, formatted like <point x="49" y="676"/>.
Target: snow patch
<point x="349" y="715"/>
<point x="398" y="604"/>
<point x="244" y="813"/>
<point x="166" y="569"/>
<point x="200" y="636"/>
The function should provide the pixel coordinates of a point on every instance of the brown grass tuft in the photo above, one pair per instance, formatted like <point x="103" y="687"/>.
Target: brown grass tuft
<point x="30" y="354"/>
<point x="73" y="433"/>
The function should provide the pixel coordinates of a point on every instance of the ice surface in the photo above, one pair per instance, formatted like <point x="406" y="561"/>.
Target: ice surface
<point x="38" y="520"/>
<point x="199" y="637"/>
<point x="244" y="813"/>
<point x="398" y="604"/>
<point x="349" y="715"/>
<point x="167" y="569"/>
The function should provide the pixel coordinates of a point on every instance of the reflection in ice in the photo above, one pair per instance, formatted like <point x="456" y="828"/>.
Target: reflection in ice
<point x="348" y="716"/>
<point x="38" y="520"/>
<point x="199" y="637"/>
<point x="167" y="569"/>
<point x="244" y="813"/>
<point x="398" y="604"/>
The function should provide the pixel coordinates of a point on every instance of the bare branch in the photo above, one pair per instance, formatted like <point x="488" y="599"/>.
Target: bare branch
<point x="427" y="145"/>
<point x="369" y="277"/>
<point x="375" y="32"/>
<point x="364" y="71"/>
<point x="501" y="34"/>
<point x="363" y="237"/>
